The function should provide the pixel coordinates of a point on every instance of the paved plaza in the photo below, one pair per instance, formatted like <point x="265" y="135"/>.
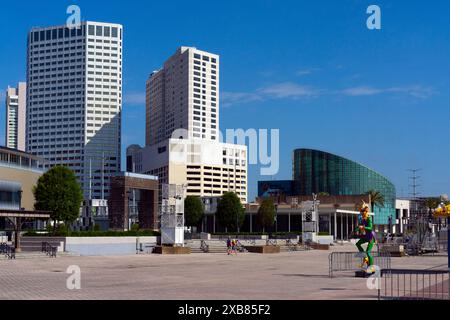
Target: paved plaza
<point x="290" y="275"/>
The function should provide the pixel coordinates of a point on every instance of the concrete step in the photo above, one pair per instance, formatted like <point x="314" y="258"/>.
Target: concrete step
<point x="291" y="248"/>
<point x="197" y="250"/>
<point x="27" y="255"/>
<point x="34" y="244"/>
<point x="38" y="255"/>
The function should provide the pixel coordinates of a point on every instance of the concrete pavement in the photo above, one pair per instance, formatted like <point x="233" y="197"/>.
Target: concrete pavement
<point x="290" y="275"/>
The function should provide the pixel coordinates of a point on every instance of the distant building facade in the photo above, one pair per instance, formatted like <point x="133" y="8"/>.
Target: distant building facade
<point x="16" y="105"/>
<point x="19" y="173"/>
<point x="319" y="172"/>
<point x="206" y="168"/>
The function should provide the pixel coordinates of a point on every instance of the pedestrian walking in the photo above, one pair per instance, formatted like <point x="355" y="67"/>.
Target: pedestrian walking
<point x="229" y="246"/>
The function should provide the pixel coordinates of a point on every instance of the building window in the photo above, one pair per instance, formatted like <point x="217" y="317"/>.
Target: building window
<point x="99" y="31"/>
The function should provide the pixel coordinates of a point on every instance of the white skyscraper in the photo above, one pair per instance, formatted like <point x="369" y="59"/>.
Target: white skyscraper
<point x="184" y="94"/>
<point x="74" y="101"/>
<point x="16" y="100"/>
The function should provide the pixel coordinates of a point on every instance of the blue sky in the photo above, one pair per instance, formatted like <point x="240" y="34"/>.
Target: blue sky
<point x="309" y="68"/>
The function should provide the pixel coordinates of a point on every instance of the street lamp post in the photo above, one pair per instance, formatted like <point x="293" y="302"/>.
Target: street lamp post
<point x="276" y="218"/>
<point x="390" y="225"/>
<point x="448" y="239"/>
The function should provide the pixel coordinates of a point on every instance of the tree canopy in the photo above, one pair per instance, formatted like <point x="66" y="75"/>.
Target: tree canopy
<point x="58" y="191"/>
<point x="266" y="214"/>
<point x="193" y="211"/>
<point x="230" y="211"/>
<point x="376" y="198"/>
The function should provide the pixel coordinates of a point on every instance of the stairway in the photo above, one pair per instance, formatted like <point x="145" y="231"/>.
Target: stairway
<point x="34" y="244"/>
<point x="26" y="255"/>
<point x="214" y="246"/>
<point x="217" y="247"/>
<point x="291" y="248"/>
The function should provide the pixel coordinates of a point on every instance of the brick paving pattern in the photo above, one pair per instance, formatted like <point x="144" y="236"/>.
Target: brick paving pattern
<point x="290" y="275"/>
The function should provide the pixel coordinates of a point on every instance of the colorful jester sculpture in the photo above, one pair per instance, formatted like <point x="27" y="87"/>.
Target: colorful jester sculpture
<point x="365" y="233"/>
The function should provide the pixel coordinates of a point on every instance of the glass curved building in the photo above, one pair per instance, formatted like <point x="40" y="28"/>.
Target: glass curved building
<point x="316" y="171"/>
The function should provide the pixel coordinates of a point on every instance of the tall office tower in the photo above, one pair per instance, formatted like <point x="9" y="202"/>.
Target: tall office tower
<point x="74" y="101"/>
<point x="16" y="100"/>
<point x="184" y="95"/>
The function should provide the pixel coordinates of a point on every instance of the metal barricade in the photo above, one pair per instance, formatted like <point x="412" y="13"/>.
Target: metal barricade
<point x="407" y="284"/>
<point x="351" y="261"/>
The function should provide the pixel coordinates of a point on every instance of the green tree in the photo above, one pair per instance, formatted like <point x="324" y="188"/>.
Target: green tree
<point x="266" y="214"/>
<point x="230" y="212"/>
<point x="193" y="211"/>
<point x="376" y="199"/>
<point x="59" y="192"/>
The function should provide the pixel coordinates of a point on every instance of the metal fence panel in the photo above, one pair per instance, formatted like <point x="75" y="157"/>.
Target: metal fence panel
<point x="351" y="261"/>
<point x="408" y="284"/>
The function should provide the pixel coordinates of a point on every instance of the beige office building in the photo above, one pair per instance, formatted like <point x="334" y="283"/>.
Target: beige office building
<point x="16" y="105"/>
<point x="184" y="94"/>
<point x="182" y="129"/>
<point x="206" y="168"/>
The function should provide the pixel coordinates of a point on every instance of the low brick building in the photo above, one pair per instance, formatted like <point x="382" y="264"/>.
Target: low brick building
<point x="133" y="199"/>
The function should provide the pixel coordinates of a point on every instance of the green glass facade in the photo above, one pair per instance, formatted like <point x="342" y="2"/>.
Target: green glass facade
<point x="316" y="171"/>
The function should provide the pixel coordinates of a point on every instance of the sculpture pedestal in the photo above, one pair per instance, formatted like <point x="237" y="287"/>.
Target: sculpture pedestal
<point x="172" y="250"/>
<point x="363" y="274"/>
<point x="263" y="249"/>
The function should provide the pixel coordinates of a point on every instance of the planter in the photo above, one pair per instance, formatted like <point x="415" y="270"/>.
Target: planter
<point x="172" y="250"/>
<point x="263" y="249"/>
<point x="394" y="250"/>
<point x="318" y="246"/>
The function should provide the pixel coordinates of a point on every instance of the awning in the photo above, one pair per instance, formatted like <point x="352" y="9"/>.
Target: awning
<point x="24" y="214"/>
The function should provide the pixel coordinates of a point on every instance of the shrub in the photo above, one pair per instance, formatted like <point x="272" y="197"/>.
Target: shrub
<point x="143" y="233"/>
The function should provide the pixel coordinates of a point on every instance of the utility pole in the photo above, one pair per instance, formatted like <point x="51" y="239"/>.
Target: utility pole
<point x="90" y="179"/>
<point x="414" y="185"/>
<point x="103" y="175"/>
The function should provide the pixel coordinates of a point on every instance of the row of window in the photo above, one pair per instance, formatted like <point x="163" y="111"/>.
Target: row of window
<point x="54" y="44"/>
<point x="58" y="56"/>
<point x="47" y="64"/>
<point x="59" y="49"/>
<point x="56" y="34"/>
<point x="60" y="133"/>
<point x="204" y="58"/>
<point x="62" y="33"/>
<point x="57" y="116"/>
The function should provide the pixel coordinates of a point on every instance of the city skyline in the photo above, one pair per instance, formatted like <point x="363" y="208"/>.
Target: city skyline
<point x="330" y="91"/>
